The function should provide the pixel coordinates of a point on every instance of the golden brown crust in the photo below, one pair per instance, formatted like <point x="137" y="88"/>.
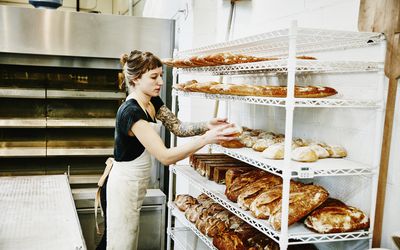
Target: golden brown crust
<point x="251" y="192"/>
<point x="232" y="144"/>
<point x="228" y="241"/>
<point x="336" y="217"/>
<point x="233" y="173"/>
<point x="255" y="90"/>
<point x="306" y="57"/>
<point x="216" y="59"/>
<point x="268" y="202"/>
<point x="234" y="189"/>
<point x="219" y="175"/>
<point x="184" y="201"/>
<point x="301" y="203"/>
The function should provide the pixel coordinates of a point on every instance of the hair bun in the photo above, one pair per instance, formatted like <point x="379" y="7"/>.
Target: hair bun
<point x="123" y="59"/>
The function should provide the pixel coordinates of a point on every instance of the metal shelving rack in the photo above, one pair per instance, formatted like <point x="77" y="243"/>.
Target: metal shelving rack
<point x="181" y="217"/>
<point x="287" y="43"/>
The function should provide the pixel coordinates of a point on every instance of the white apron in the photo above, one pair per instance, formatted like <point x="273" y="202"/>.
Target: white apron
<point x="126" y="189"/>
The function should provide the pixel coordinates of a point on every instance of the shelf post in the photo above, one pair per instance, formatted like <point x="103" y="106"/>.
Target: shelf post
<point x="291" y="67"/>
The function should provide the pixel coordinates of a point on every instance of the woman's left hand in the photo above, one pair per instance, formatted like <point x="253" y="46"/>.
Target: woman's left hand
<point x="216" y="122"/>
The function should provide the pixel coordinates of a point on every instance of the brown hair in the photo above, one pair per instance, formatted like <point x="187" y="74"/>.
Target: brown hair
<point x="138" y="63"/>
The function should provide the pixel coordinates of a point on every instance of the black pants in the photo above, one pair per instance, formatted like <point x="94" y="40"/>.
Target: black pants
<point x="103" y="194"/>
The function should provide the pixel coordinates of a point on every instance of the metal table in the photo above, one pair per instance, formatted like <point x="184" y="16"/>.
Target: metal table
<point x="38" y="212"/>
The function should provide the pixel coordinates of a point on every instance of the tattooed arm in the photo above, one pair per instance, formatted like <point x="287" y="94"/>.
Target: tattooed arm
<point x="182" y="129"/>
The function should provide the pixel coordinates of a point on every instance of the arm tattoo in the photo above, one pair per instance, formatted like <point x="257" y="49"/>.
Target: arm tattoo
<point x="182" y="129"/>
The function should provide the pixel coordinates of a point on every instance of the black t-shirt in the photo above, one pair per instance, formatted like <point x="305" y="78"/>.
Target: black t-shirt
<point x="128" y="148"/>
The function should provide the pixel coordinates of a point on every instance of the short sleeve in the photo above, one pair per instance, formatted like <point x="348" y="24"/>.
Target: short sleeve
<point x="157" y="103"/>
<point x="127" y="117"/>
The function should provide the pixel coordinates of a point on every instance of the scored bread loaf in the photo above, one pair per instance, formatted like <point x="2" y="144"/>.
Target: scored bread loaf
<point x="200" y="87"/>
<point x="301" y="202"/>
<point x="261" y="144"/>
<point x="232" y="192"/>
<point x="253" y="190"/>
<point x="333" y="216"/>
<point x="228" y="241"/>
<point x="320" y="151"/>
<point x="275" y="151"/>
<point x="193" y="212"/>
<point x="336" y="151"/>
<point x="304" y="154"/>
<point x="184" y="201"/>
<point x="268" y="202"/>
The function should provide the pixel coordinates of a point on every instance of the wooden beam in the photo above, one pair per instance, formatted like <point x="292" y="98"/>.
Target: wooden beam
<point x="385" y="155"/>
<point x="384" y="16"/>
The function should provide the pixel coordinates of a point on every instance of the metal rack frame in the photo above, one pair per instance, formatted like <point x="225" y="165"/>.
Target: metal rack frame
<point x="181" y="217"/>
<point x="298" y="233"/>
<point x="276" y="42"/>
<point x="281" y="66"/>
<point x="280" y="102"/>
<point x="288" y="43"/>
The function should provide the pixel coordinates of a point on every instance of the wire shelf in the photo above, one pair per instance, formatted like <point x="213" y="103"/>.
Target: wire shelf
<point x="276" y="43"/>
<point x="186" y="239"/>
<point x="281" y="66"/>
<point x="181" y="217"/>
<point x="322" y="167"/>
<point x="298" y="233"/>
<point x="281" y="102"/>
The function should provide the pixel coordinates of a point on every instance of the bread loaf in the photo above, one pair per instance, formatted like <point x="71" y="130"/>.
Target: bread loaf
<point x="275" y="151"/>
<point x="211" y="166"/>
<point x="320" y="151"/>
<point x="193" y="212"/>
<point x="336" y="151"/>
<point x="251" y="192"/>
<point x="261" y="144"/>
<point x="184" y="201"/>
<point x="301" y="202"/>
<point x="201" y="167"/>
<point x="219" y="175"/>
<point x="232" y="144"/>
<point x="232" y="192"/>
<point x="336" y="217"/>
<point x="233" y="173"/>
<point x="268" y="202"/>
<point x="304" y="154"/>
<point x="228" y="241"/>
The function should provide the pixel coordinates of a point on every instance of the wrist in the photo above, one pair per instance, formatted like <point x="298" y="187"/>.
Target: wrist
<point x="203" y="140"/>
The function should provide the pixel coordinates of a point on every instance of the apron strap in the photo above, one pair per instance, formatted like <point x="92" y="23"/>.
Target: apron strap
<point x="97" y="203"/>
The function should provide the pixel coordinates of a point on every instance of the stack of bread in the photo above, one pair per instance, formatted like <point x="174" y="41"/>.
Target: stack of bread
<point x="261" y="193"/>
<point x="228" y="231"/>
<point x="214" y="166"/>
<point x="254" y="90"/>
<point x="214" y="60"/>
<point x="272" y="146"/>
<point x="217" y="59"/>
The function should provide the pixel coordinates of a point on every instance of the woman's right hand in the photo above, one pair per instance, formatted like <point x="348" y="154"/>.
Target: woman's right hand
<point x="220" y="133"/>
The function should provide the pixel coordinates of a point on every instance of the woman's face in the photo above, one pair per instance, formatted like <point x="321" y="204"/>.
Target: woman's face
<point x="150" y="83"/>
